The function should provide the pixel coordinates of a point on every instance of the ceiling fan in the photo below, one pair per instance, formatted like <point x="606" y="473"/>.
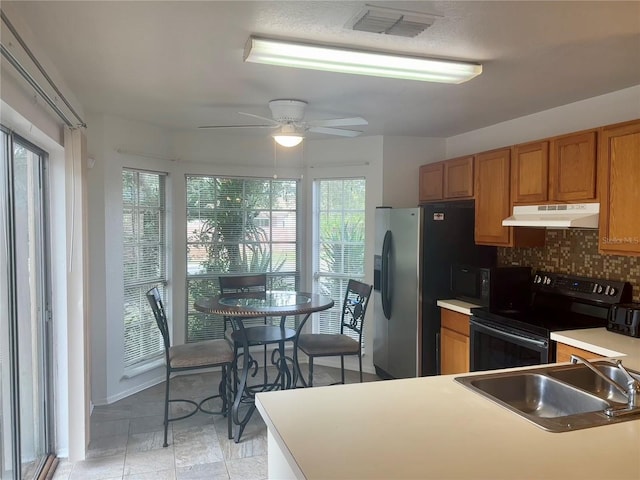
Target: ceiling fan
<point x="288" y="119"/>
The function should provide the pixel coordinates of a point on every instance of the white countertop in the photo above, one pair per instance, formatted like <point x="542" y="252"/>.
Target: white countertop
<point x="456" y="305"/>
<point x="434" y="427"/>
<point x="603" y="342"/>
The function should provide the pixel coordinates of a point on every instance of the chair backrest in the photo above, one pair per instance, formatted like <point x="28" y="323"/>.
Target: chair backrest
<point x="255" y="284"/>
<point x="354" y="307"/>
<point x="154" y="299"/>
<point x="243" y="283"/>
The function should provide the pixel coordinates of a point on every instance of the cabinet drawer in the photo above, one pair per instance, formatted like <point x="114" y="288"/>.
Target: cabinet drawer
<point x="564" y="352"/>
<point x="458" y="322"/>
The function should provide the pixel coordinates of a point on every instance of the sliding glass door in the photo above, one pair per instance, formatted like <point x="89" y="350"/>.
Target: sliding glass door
<point x="24" y="302"/>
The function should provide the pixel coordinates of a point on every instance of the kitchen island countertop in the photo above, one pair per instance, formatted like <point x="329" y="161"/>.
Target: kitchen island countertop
<point x="434" y="427"/>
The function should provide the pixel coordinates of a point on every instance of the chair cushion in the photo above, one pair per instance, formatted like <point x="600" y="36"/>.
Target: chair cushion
<point x="200" y="354"/>
<point x="324" y="344"/>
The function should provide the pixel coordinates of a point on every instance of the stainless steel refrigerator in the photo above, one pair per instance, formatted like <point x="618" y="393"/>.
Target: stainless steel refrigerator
<point x="414" y="251"/>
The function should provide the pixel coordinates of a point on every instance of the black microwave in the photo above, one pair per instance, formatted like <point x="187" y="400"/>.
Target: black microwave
<point x="499" y="288"/>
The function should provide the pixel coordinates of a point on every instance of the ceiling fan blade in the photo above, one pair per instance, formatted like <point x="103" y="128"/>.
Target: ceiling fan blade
<point x="338" y="122"/>
<point x="237" y="126"/>
<point x="270" y="120"/>
<point x="335" y="131"/>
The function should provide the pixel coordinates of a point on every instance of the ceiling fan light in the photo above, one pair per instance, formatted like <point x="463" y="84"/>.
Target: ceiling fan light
<point x="344" y="60"/>
<point x="288" y="140"/>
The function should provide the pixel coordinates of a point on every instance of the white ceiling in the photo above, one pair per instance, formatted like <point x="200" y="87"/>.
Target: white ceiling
<point x="179" y="64"/>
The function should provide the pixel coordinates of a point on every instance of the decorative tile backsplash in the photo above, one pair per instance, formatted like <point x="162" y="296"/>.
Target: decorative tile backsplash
<point x="575" y="252"/>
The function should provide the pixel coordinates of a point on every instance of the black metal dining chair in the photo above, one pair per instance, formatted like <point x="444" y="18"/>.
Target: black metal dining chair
<point x="264" y="334"/>
<point x="314" y="345"/>
<point x="193" y="356"/>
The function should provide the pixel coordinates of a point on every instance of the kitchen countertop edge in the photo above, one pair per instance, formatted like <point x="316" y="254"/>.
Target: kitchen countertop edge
<point x="456" y="305"/>
<point x="603" y="342"/>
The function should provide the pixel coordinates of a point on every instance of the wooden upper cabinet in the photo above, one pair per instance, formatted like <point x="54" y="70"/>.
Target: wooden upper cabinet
<point x="530" y="172"/>
<point x="431" y="182"/>
<point x="492" y="197"/>
<point x="493" y="204"/>
<point x="572" y="167"/>
<point x="619" y="181"/>
<point x="458" y="178"/>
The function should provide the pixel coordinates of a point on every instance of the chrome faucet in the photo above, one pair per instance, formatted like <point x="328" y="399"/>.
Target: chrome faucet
<point x="633" y="386"/>
<point x="632" y="391"/>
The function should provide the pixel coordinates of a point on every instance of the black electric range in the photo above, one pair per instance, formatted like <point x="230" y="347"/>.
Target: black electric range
<point x="521" y="337"/>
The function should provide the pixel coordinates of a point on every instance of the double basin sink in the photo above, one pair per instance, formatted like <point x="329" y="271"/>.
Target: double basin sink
<point x="559" y="398"/>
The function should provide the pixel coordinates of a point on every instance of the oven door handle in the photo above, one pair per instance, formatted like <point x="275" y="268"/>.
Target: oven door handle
<point x="518" y="338"/>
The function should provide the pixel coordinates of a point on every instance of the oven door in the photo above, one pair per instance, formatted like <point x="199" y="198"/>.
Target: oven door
<point x="498" y="346"/>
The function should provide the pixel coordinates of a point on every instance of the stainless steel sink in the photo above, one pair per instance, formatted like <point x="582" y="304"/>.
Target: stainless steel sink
<point x="557" y="398"/>
<point x="583" y="378"/>
<point x="539" y="395"/>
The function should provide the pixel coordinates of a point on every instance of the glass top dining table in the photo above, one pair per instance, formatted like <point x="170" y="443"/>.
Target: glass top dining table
<point x="273" y="303"/>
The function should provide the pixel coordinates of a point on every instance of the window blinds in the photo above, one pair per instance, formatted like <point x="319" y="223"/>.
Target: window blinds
<point x="144" y="261"/>
<point x="236" y="226"/>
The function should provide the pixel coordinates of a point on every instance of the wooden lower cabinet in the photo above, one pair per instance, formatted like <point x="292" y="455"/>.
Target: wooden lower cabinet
<point x="564" y="352"/>
<point x="454" y="342"/>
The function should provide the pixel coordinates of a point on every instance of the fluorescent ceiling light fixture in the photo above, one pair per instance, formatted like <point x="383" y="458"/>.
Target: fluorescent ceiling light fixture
<point x="288" y="137"/>
<point x="358" y="62"/>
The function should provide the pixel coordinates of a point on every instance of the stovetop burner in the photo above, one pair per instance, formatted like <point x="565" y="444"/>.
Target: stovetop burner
<point x="560" y="302"/>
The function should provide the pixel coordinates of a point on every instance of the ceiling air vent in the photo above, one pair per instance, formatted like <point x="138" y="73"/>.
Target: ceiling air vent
<point x="402" y="23"/>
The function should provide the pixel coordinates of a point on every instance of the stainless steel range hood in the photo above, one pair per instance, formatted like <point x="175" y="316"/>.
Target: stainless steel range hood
<point x="575" y="215"/>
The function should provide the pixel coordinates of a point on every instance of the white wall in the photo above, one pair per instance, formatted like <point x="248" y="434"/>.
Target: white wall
<point x="106" y="136"/>
<point x="606" y="109"/>
<point x="402" y="159"/>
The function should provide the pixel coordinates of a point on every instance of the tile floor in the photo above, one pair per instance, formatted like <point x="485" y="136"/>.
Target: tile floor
<point x="126" y="438"/>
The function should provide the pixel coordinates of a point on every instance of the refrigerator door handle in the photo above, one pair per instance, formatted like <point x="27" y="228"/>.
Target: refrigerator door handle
<point x="385" y="289"/>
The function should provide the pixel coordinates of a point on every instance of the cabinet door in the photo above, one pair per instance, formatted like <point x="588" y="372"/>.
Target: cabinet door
<point x="530" y="172"/>
<point x="619" y="184"/>
<point x="564" y="352"/>
<point x="454" y="342"/>
<point x="458" y="178"/>
<point x="454" y="352"/>
<point x="492" y="197"/>
<point x="572" y="165"/>
<point x="431" y="182"/>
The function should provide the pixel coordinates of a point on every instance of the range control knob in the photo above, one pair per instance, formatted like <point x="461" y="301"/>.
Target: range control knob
<point x="612" y="291"/>
<point x="537" y="279"/>
<point x="547" y="280"/>
<point x="599" y="288"/>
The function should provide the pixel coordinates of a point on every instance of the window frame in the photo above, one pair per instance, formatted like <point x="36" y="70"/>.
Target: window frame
<point x="335" y="312"/>
<point x="215" y="328"/>
<point x="145" y="315"/>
